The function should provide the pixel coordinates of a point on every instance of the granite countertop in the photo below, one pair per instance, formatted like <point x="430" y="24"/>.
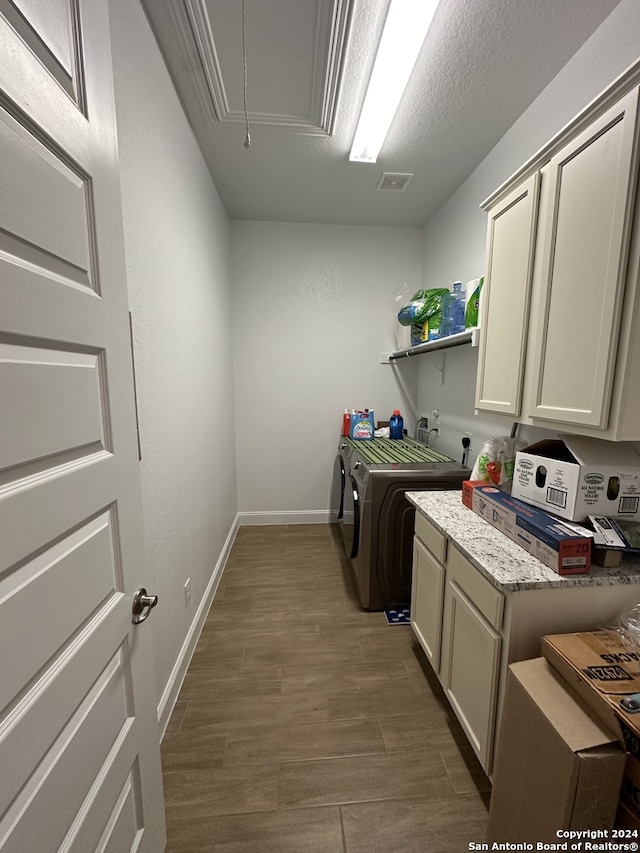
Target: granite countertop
<point x="504" y="563"/>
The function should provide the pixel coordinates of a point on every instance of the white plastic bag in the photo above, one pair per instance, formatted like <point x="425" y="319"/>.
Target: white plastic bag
<point x="496" y="461"/>
<point x="401" y="334"/>
<point x="628" y="625"/>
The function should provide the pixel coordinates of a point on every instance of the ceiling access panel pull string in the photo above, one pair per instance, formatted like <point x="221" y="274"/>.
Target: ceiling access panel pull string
<point x="247" y="139"/>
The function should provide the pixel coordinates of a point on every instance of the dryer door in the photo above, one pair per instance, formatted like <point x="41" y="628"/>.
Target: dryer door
<point x="337" y="489"/>
<point x="351" y="517"/>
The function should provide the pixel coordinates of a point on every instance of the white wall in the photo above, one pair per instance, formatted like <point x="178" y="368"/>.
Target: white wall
<point x="176" y="240"/>
<point x="312" y="311"/>
<point x="454" y="240"/>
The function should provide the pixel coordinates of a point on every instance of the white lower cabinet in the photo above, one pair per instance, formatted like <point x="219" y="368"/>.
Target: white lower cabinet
<point x="428" y="595"/>
<point x="471" y="630"/>
<point x="456" y="614"/>
<point x="470" y="668"/>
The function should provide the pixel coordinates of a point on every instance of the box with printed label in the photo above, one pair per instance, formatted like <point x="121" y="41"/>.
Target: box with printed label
<point x="547" y="538"/>
<point x="603" y="668"/>
<point x="575" y="476"/>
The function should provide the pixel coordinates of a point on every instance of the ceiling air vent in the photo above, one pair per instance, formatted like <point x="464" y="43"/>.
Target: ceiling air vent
<point x="394" y="181"/>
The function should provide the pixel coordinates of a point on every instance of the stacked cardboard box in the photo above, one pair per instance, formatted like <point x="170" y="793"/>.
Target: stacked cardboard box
<point x="557" y="767"/>
<point x="547" y="538"/>
<point x="603" y="668"/>
<point x="574" y="477"/>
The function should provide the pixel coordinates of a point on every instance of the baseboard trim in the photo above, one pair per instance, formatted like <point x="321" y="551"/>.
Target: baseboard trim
<point x="174" y="684"/>
<point x="316" y="516"/>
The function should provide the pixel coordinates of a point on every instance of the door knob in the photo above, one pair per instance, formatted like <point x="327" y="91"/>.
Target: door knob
<point x="142" y="604"/>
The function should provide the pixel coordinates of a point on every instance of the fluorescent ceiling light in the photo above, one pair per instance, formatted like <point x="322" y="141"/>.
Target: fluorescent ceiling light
<point x="404" y="32"/>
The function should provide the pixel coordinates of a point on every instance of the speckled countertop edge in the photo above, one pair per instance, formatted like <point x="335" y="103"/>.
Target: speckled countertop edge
<point x="503" y="562"/>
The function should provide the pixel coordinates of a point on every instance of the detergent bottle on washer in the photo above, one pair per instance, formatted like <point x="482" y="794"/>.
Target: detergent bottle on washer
<point x="396" y="425"/>
<point x="362" y="426"/>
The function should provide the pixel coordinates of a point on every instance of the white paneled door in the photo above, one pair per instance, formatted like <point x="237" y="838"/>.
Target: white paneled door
<point x="79" y="754"/>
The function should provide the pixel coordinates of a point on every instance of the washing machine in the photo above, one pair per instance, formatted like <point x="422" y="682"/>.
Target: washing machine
<point x="378" y="520"/>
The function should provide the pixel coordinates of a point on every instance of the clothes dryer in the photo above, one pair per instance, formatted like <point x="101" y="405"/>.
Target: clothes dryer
<point x="341" y="502"/>
<point x="379" y="542"/>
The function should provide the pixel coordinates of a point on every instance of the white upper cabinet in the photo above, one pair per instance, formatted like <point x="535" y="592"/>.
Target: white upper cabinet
<point x="559" y="344"/>
<point x="585" y="234"/>
<point x="510" y="244"/>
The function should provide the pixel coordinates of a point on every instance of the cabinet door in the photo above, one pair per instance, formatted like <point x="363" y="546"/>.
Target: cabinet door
<point x="505" y="301"/>
<point x="585" y="228"/>
<point x="426" y="602"/>
<point x="470" y="670"/>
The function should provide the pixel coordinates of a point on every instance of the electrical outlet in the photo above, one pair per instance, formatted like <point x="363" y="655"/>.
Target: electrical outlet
<point x="187" y="592"/>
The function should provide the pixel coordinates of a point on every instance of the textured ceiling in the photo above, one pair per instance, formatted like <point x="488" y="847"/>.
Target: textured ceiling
<point x="307" y="63"/>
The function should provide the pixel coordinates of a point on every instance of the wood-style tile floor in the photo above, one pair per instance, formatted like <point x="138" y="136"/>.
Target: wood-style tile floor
<point x="307" y="725"/>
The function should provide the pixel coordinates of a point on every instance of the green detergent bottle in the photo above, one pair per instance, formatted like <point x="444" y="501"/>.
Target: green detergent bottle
<point x="472" y="307"/>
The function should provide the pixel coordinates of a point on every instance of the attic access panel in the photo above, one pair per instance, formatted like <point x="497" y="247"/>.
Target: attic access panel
<point x="299" y="90"/>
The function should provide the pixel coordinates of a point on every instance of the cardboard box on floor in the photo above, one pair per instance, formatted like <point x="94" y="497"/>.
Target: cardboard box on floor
<point x="604" y="670"/>
<point x="557" y="766"/>
<point x="575" y="476"/>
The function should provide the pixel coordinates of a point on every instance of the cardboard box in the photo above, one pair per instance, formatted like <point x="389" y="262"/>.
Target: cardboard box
<point x="627" y="818"/>
<point x="557" y="766"/>
<point x="606" y="558"/>
<point x="575" y="476"/>
<point x="547" y="538"/>
<point x="604" y="670"/>
<point x="616" y="534"/>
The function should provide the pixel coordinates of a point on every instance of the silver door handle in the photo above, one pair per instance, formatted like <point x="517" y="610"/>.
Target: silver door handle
<point x="142" y="605"/>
